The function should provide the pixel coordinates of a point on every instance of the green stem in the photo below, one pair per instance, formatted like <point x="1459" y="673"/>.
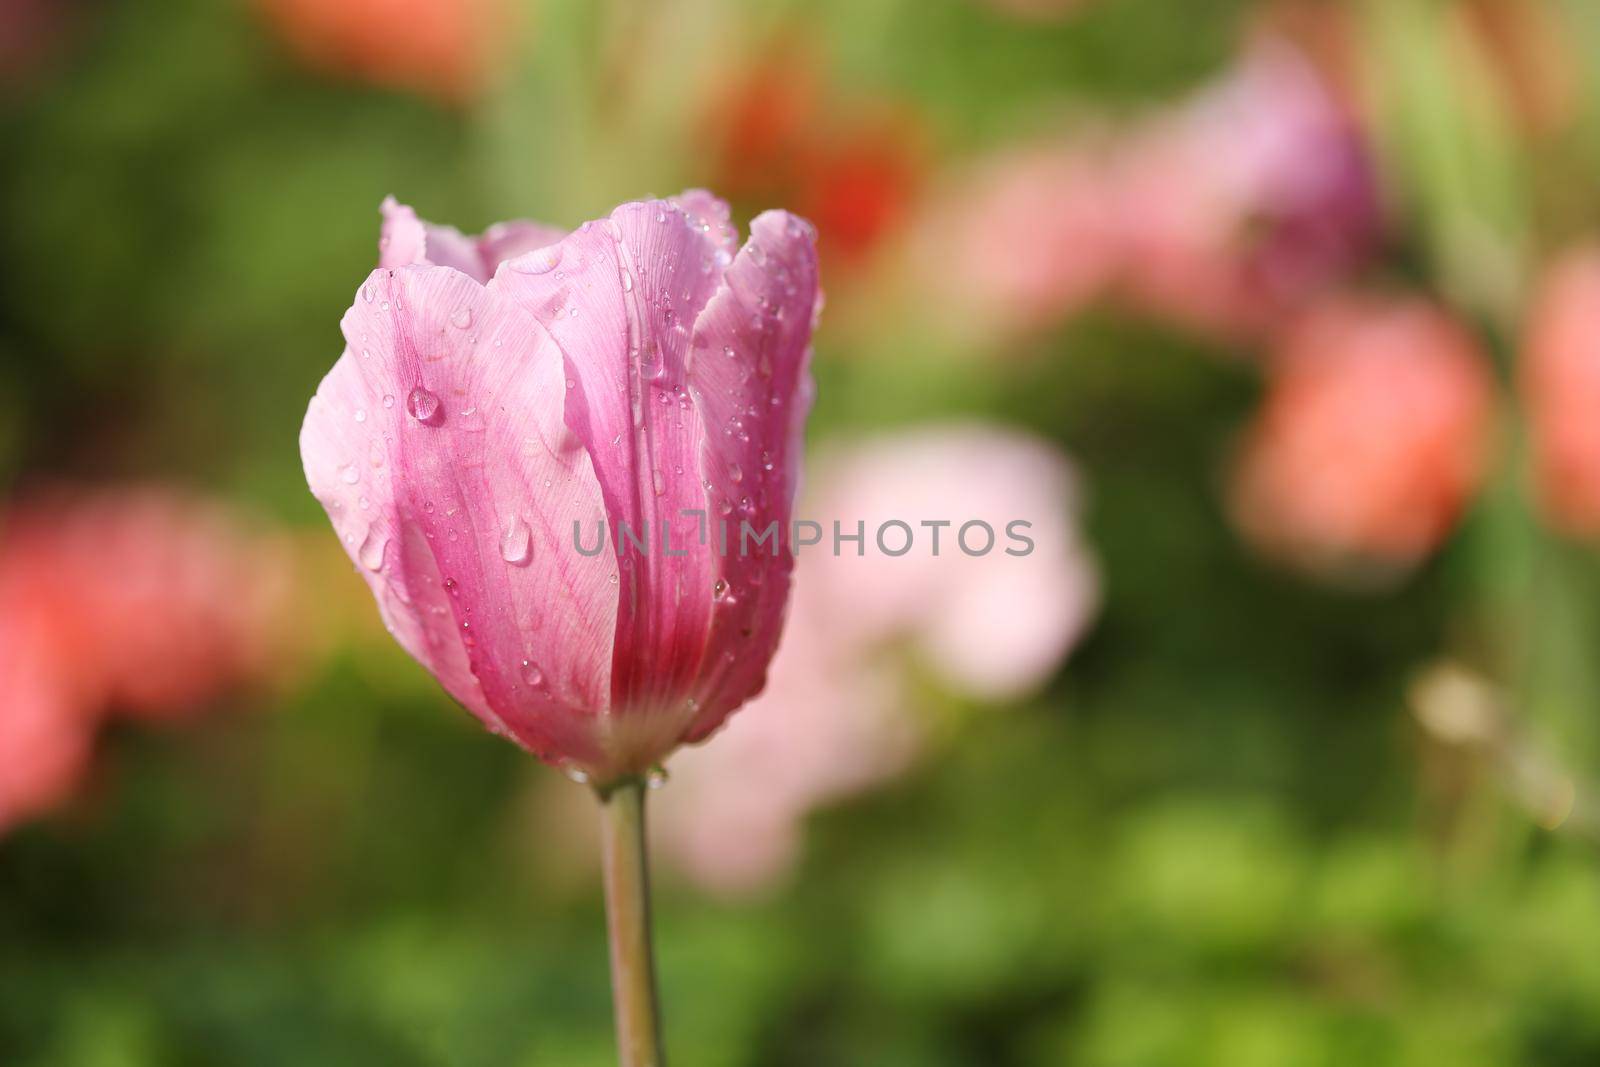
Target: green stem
<point x="633" y="971"/>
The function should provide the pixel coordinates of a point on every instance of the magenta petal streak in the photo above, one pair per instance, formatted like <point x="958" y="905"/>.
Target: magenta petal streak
<point x="643" y="370"/>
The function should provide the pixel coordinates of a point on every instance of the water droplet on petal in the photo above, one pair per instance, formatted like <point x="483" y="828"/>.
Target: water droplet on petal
<point x="372" y="549"/>
<point x="388" y="400"/>
<point x="515" y="542"/>
<point x="539" y="261"/>
<point x="661" y="483"/>
<point x="579" y="776"/>
<point x="350" y="474"/>
<point x="422" y="404"/>
<point x="462" y="318"/>
<point x="719" y="590"/>
<point x="736" y="472"/>
<point x="531" y="673"/>
<point x="656" y="778"/>
<point x="361" y="415"/>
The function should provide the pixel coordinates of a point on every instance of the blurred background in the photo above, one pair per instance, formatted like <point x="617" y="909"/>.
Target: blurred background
<point x="1283" y="318"/>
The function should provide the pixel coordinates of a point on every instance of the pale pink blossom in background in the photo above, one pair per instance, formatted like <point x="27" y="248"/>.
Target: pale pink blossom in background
<point x="1247" y="200"/>
<point x="1028" y="238"/>
<point x="1224" y="214"/>
<point x="1373" y="437"/>
<point x="1560" y="383"/>
<point x="644" y="366"/>
<point x="448" y="49"/>
<point x="139" y="601"/>
<point x="839" y="713"/>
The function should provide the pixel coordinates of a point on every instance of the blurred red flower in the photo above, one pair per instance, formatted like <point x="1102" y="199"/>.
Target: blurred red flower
<point x="851" y="167"/>
<point x="447" y="49"/>
<point x="1560" y="383"/>
<point x="135" y="601"/>
<point x="1373" y="437"/>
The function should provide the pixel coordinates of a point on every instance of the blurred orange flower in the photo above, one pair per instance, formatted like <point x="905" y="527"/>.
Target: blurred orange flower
<point x="447" y="49"/>
<point x="1560" y="383"/>
<point x="137" y="601"/>
<point x="1374" y="435"/>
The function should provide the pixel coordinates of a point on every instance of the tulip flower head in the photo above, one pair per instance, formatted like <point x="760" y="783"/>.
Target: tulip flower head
<point x="527" y="441"/>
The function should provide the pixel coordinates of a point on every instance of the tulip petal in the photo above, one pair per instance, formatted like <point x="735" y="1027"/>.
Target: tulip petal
<point x="438" y="437"/>
<point x="407" y="240"/>
<point x="750" y="377"/>
<point x="619" y="299"/>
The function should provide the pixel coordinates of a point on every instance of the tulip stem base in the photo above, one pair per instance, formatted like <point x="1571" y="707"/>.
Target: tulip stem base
<point x="627" y="884"/>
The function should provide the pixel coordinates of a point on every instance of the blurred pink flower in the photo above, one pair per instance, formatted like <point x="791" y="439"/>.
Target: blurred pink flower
<point x="1373" y="437"/>
<point x="1560" y="383"/>
<point x="1246" y="201"/>
<point x="444" y="48"/>
<point x="1027" y="239"/>
<point x="641" y="368"/>
<point x="838" y="713"/>
<point x="1225" y="213"/>
<point x="142" y="601"/>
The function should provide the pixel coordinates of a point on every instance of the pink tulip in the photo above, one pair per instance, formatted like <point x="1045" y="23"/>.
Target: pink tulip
<point x="1560" y="380"/>
<point x="1373" y="438"/>
<point x="499" y="398"/>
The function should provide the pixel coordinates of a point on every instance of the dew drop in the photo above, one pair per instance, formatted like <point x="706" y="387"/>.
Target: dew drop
<point x="736" y="472"/>
<point x="372" y="549"/>
<point x="422" y="404"/>
<point x="361" y="415"/>
<point x="719" y="590"/>
<point x="531" y="673"/>
<point x="388" y="400"/>
<point x="661" y="483"/>
<point x="515" y="542"/>
<point x="350" y="474"/>
<point x="462" y="318"/>
<point x="369" y="292"/>
<point x="540" y="261"/>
